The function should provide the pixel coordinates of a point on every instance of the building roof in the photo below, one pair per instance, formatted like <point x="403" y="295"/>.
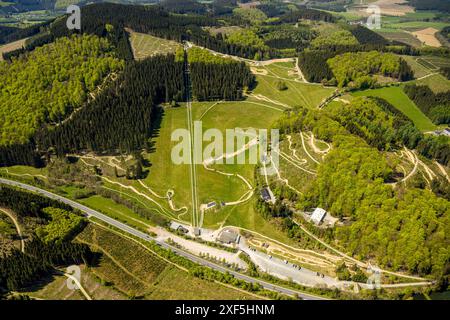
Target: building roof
<point x="318" y="215"/>
<point x="211" y="204"/>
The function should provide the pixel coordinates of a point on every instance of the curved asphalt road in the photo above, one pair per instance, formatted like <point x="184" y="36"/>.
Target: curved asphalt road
<point x="92" y="213"/>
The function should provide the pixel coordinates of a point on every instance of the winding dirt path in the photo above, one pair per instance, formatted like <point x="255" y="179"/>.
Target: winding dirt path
<point x="306" y="151"/>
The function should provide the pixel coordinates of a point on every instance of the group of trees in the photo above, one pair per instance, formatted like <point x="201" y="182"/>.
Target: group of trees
<point x="63" y="225"/>
<point x="120" y="117"/>
<point x="355" y="40"/>
<point x="305" y="14"/>
<point x="435" y="105"/>
<point x="50" y="82"/>
<point x="184" y="6"/>
<point x="436" y="5"/>
<point x="367" y="36"/>
<point x="10" y="34"/>
<point x="287" y="37"/>
<point x="229" y="82"/>
<point x="50" y="247"/>
<point x="19" y="270"/>
<point x="27" y="204"/>
<point x="356" y="69"/>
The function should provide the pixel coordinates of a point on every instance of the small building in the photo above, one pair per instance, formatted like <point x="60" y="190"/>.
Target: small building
<point x="228" y="237"/>
<point x="318" y="215"/>
<point x="178" y="227"/>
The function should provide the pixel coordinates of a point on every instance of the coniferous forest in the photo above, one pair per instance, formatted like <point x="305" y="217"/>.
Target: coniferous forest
<point x="19" y="269"/>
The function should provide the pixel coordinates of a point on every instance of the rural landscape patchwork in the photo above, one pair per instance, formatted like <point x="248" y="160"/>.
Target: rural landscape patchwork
<point x="224" y="150"/>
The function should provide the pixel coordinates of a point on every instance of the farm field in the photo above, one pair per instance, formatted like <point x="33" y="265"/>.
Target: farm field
<point x="296" y="94"/>
<point x="426" y="71"/>
<point x="400" y="100"/>
<point x="145" y="45"/>
<point x="135" y="271"/>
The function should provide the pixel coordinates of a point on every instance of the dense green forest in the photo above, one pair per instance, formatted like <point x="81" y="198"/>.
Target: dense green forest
<point x="338" y="38"/>
<point x="367" y="36"/>
<point x="19" y="270"/>
<point x="27" y="204"/>
<point x="435" y="105"/>
<point x="438" y="5"/>
<point x="402" y="229"/>
<point x="123" y="108"/>
<point x="50" y="82"/>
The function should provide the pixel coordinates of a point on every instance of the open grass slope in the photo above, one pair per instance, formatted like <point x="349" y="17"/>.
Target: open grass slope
<point x="400" y="100"/>
<point x="145" y="45"/>
<point x="296" y="94"/>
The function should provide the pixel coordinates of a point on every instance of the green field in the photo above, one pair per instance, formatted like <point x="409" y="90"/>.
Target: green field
<point x="145" y="45"/>
<point x="400" y="100"/>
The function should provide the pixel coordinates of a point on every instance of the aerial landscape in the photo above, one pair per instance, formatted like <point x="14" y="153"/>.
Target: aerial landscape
<point x="225" y="150"/>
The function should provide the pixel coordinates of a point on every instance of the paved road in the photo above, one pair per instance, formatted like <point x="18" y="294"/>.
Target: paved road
<point x="92" y="213"/>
